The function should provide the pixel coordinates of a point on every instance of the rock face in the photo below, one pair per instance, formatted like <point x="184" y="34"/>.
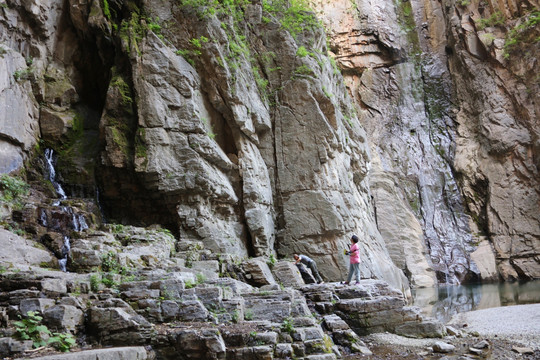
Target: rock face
<point x="225" y="126"/>
<point x="443" y="177"/>
<point x="232" y="127"/>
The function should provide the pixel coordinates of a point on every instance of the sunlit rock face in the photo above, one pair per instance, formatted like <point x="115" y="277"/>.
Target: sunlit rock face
<point x="226" y="126"/>
<point x="444" y="177"/>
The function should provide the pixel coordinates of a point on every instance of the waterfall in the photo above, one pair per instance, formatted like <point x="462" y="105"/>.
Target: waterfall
<point x="77" y="223"/>
<point x="49" y="158"/>
<point x="65" y="252"/>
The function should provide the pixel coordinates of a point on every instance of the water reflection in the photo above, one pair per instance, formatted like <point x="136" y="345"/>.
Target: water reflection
<point x="445" y="301"/>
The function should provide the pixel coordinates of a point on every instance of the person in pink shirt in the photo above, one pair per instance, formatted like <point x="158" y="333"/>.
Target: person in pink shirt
<point x="354" y="266"/>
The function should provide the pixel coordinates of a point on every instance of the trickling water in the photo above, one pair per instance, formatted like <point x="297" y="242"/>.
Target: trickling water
<point x="49" y="157"/>
<point x="77" y="223"/>
<point x="65" y="252"/>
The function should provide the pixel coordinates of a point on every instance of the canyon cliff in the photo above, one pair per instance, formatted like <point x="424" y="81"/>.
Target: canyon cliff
<point x="238" y="125"/>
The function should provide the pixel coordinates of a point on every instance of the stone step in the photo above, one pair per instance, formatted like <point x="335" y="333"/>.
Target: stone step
<point x="124" y="353"/>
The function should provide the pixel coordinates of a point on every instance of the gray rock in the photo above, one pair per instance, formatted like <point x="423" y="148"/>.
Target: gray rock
<point x="23" y="253"/>
<point x="55" y="286"/>
<point x="192" y="310"/>
<point x="522" y="350"/>
<point x="124" y="353"/>
<point x="484" y="344"/>
<point x="423" y="329"/>
<point x="63" y="318"/>
<point x="259" y="271"/>
<point x="335" y="323"/>
<point x="287" y="274"/>
<point x="36" y="305"/>
<point x="442" y="347"/>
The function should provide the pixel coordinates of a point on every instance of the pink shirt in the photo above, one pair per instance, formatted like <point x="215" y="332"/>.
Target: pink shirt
<point x="355" y="256"/>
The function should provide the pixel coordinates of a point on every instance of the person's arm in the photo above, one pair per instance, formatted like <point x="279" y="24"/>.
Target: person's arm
<point x="297" y="261"/>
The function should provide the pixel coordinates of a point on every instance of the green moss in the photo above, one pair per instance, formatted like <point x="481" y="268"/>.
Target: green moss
<point x="124" y="89"/>
<point x="408" y="25"/>
<point x="106" y="10"/>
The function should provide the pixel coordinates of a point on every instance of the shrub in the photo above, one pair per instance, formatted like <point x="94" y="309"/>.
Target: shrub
<point x="13" y="189"/>
<point x="497" y="18"/>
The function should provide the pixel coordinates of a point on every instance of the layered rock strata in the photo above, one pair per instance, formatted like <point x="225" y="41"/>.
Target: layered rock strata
<point x="220" y="123"/>
<point x="435" y="92"/>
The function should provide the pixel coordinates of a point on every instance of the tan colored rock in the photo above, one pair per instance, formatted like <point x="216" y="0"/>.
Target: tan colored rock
<point x="484" y="258"/>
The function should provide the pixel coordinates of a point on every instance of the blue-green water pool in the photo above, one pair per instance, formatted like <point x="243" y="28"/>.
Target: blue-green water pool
<point x="443" y="302"/>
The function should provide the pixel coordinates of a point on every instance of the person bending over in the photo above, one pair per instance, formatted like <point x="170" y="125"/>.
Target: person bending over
<point x="306" y="260"/>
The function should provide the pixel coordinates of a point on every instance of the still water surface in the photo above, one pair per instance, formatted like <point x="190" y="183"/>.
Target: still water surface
<point x="445" y="301"/>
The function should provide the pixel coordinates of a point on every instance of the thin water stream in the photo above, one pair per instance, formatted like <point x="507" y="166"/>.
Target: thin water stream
<point x="77" y="223"/>
<point x="443" y="302"/>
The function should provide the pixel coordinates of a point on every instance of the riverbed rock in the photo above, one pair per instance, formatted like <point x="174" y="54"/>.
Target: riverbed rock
<point x="442" y="347"/>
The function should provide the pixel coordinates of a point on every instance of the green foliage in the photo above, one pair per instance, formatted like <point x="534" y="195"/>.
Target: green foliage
<point x="30" y="328"/>
<point x="132" y="31"/>
<point x="248" y="315"/>
<point x="487" y="39"/>
<point x="62" y="341"/>
<point x="94" y="282"/>
<point x="109" y="262"/>
<point x="523" y="33"/>
<point x="271" y="260"/>
<point x="154" y="26"/>
<point x="201" y="278"/>
<point x="106" y="10"/>
<point x="464" y="2"/>
<point x="235" y="317"/>
<point x="197" y="42"/>
<point x="328" y="94"/>
<point x="334" y="66"/>
<point x="108" y="281"/>
<point x="23" y="74"/>
<point x="188" y="284"/>
<point x="302" y="51"/>
<point x="13" y="189"/>
<point x="124" y="89"/>
<point x="295" y="15"/>
<point x="287" y="326"/>
<point x="304" y="70"/>
<point x="496" y="19"/>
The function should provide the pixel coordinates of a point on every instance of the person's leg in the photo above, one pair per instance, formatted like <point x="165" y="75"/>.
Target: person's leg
<point x="357" y="272"/>
<point x="315" y="271"/>
<point x="351" y="270"/>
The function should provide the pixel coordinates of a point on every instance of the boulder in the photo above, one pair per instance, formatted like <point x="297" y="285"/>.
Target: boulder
<point x="423" y="329"/>
<point x="63" y="318"/>
<point x="36" y="305"/>
<point x="258" y="271"/>
<point x="23" y="253"/>
<point x="287" y="273"/>
<point x="442" y="347"/>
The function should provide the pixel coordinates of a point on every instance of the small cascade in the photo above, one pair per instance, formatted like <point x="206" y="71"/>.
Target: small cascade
<point x="65" y="252"/>
<point x="49" y="158"/>
<point x="62" y="214"/>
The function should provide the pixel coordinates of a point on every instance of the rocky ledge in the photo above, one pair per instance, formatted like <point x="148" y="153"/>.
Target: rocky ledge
<point x="186" y="300"/>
